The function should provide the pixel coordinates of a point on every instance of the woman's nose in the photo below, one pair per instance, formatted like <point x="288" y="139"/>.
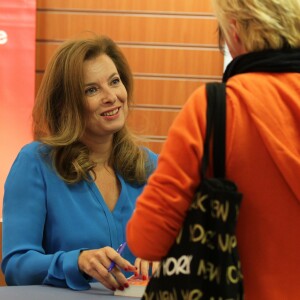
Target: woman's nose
<point x="109" y="96"/>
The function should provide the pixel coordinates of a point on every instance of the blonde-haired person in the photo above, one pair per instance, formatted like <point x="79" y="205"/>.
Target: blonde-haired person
<point x="70" y="192"/>
<point x="262" y="150"/>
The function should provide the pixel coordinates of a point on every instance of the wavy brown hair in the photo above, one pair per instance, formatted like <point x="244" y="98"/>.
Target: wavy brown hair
<point x="59" y="120"/>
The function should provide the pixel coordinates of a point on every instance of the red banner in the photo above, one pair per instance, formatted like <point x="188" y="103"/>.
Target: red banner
<point x="17" y="78"/>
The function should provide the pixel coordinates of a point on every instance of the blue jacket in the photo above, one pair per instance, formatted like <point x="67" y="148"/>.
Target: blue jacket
<point x="47" y="222"/>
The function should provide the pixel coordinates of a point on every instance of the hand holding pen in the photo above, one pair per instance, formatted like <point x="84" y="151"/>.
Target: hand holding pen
<point x="95" y="263"/>
<point x="119" y="250"/>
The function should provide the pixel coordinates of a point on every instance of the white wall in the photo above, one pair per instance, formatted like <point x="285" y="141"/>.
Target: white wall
<point x="227" y="57"/>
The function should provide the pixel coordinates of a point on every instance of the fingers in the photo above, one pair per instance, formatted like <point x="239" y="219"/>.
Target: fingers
<point x="155" y="266"/>
<point x="95" y="263"/>
<point x="143" y="268"/>
<point x="119" y="261"/>
<point x="100" y="273"/>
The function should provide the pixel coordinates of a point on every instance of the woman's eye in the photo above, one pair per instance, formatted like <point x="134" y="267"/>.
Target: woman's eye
<point x="116" y="81"/>
<point x="91" y="91"/>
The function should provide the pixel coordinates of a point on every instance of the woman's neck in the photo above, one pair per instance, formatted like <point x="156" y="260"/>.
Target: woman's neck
<point x="100" y="151"/>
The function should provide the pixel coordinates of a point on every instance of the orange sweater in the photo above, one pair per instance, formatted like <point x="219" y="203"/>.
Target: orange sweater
<point x="263" y="158"/>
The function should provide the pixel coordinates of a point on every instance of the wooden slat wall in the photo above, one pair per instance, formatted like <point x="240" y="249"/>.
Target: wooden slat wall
<point x="172" y="47"/>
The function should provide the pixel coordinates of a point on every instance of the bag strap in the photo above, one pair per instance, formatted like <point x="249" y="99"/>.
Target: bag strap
<point x="216" y="125"/>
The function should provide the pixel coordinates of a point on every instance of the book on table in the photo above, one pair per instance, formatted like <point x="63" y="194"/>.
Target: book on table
<point x="136" y="287"/>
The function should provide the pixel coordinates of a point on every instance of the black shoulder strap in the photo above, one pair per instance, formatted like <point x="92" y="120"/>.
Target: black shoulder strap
<point x="216" y="125"/>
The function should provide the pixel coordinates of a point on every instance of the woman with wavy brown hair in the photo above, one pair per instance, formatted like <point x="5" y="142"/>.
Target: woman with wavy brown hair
<point x="70" y="193"/>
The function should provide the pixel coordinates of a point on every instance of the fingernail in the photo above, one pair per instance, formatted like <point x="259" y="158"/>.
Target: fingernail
<point x="136" y="274"/>
<point x="126" y="285"/>
<point x="144" y="277"/>
<point x="121" y="288"/>
<point x="113" y="289"/>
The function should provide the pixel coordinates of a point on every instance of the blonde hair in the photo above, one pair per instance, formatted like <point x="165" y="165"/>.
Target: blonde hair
<point x="262" y="24"/>
<point x="58" y="114"/>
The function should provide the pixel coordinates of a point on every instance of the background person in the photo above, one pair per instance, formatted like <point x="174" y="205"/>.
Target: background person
<point x="262" y="150"/>
<point x="70" y="193"/>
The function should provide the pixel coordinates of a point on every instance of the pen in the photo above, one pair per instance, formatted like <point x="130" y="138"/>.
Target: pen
<point x="120" y="250"/>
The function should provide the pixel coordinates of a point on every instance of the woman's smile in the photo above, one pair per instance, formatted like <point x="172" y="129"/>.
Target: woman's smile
<point x="111" y="113"/>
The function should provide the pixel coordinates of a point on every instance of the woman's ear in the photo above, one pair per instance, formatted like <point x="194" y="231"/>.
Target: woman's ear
<point x="237" y="46"/>
<point x="234" y="31"/>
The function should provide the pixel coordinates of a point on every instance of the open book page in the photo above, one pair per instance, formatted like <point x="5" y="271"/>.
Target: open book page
<point x="136" y="287"/>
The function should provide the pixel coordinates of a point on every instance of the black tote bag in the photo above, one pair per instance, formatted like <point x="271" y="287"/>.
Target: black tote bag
<point x="203" y="263"/>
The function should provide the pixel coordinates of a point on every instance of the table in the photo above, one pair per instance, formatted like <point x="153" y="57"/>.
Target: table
<point x="43" y="292"/>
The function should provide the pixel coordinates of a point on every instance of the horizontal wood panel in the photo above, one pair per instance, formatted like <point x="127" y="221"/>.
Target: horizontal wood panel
<point x="159" y="61"/>
<point x="163" y="92"/>
<point x="187" y="6"/>
<point x="158" y="92"/>
<point x="177" y="62"/>
<point x="154" y="123"/>
<point x="128" y="28"/>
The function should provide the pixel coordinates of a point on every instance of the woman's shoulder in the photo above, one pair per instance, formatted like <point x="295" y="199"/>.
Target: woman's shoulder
<point x="35" y="152"/>
<point x="152" y="156"/>
<point x="150" y="152"/>
<point x="151" y="162"/>
<point x="34" y="148"/>
<point x="30" y="156"/>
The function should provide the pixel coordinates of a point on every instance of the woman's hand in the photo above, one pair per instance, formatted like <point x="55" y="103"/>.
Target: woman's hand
<point x="144" y="267"/>
<point x="95" y="263"/>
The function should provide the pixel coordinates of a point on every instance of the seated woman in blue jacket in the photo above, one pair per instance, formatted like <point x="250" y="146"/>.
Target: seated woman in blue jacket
<point x="70" y="192"/>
